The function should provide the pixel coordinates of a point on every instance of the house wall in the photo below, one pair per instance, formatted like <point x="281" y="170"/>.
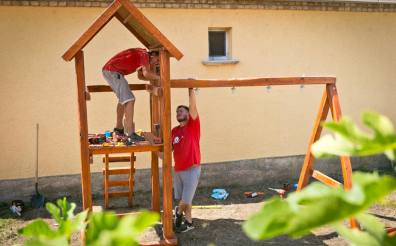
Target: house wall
<point x="36" y="85"/>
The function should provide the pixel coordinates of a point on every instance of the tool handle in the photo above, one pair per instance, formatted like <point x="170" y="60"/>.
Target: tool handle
<point x="37" y="150"/>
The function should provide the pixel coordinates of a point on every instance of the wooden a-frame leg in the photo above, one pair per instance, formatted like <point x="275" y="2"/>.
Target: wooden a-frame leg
<point x="83" y="127"/>
<point x="307" y="170"/>
<point x="346" y="166"/>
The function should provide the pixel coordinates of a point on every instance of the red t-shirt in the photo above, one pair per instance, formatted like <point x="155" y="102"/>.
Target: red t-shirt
<point x="127" y="61"/>
<point x="185" y="141"/>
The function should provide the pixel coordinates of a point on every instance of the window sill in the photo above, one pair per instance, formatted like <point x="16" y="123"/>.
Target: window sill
<point x="220" y="62"/>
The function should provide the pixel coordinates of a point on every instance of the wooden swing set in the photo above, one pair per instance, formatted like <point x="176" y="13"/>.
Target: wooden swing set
<point x="160" y="111"/>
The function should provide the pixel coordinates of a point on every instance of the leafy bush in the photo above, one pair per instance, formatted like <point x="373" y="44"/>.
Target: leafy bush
<point x="318" y="205"/>
<point x="103" y="228"/>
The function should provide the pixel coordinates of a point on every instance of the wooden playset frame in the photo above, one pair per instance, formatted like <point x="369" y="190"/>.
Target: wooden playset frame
<point x="160" y="110"/>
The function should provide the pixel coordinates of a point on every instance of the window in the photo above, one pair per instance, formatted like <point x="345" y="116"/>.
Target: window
<point x="219" y="46"/>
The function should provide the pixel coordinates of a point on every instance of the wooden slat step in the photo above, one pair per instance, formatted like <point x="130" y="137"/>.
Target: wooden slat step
<point x="117" y="170"/>
<point x="325" y="179"/>
<point x="119" y="194"/>
<point x="119" y="159"/>
<point x="113" y="183"/>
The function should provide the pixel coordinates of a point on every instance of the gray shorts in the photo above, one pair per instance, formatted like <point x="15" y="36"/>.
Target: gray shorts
<point x="185" y="183"/>
<point x="119" y="85"/>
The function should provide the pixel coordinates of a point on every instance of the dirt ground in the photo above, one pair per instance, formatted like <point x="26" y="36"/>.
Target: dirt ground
<point x="220" y="226"/>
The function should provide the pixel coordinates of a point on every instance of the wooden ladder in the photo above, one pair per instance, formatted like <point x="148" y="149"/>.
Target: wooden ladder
<point x="107" y="172"/>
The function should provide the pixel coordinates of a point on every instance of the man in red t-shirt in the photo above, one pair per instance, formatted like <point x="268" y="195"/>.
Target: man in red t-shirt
<point x="187" y="156"/>
<point x="115" y="70"/>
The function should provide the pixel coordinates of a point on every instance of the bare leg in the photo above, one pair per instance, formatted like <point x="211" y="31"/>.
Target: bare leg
<point x="129" y="110"/>
<point x="186" y="209"/>
<point x="188" y="213"/>
<point x="120" y="116"/>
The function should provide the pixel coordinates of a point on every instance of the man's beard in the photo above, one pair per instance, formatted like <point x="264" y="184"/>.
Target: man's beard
<point x="182" y="119"/>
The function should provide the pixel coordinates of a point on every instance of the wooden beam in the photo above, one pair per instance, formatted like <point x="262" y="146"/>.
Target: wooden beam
<point x="99" y="23"/>
<point x="306" y="170"/>
<point x="167" y="160"/>
<point x="118" y="159"/>
<point x="154" y="119"/>
<point x="106" y="182"/>
<point x="325" y="179"/>
<point x="106" y="88"/>
<point x="151" y="29"/>
<point x="98" y="150"/>
<point x="202" y="83"/>
<point x="83" y="128"/>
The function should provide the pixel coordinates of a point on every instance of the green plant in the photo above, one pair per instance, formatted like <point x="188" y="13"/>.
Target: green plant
<point x="350" y="140"/>
<point x="318" y="205"/>
<point x="40" y="233"/>
<point x="103" y="228"/>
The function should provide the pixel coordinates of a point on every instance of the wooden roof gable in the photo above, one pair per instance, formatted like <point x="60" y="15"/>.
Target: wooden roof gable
<point x="134" y="21"/>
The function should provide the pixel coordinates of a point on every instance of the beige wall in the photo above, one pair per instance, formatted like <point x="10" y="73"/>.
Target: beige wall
<point x="36" y="85"/>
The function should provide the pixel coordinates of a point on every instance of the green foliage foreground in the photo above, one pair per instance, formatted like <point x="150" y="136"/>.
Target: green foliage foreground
<point x="318" y="205"/>
<point x="103" y="228"/>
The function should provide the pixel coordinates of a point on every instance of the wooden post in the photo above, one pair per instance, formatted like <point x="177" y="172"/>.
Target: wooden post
<point x="336" y="113"/>
<point x="155" y="187"/>
<point x="83" y="127"/>
<point x="167" y="160"/>
<point x="307" y="170"/>
<point x="346" y="166"/>
<point x="106" y="181"/>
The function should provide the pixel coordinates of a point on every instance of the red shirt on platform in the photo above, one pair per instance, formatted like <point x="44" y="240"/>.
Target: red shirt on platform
<point x="127" y="61"/>
<point x="185" y="141"/>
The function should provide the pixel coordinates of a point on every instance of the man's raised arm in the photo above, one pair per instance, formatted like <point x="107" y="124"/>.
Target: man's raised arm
<point x="192" y="103"/>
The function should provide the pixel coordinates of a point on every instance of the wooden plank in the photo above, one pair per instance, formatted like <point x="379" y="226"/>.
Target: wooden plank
<point x="106" y="88"/>
<point x="118" y="159"/>
<point x="306" y="170"/>
<point x="139" y="18"/>
<point x="117" y="170"/>
<point x="131" y="180"/>
<point x="119" y="194"/>
<point x="325" y="179"/>
<point x="97" y="150"/>
<point x="83" y="128"/>
<point x="167" y="160"/>
<point x="207" y="83"/>
<point x="115" y="183"/>
<point x="106" y="182"/>
<point x="99" y="23"/>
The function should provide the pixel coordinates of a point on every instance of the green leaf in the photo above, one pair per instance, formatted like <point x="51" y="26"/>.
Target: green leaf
<point x="54" y="211"/>
<point x="349" y="140"/>
<point x="317" y="205"/>
<point x="116" y="231"/>
<point x="60" y="241"/>
<point x="99" y="222"/>
<point x="373" y="232"/>
<point x="38" y="228"/>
